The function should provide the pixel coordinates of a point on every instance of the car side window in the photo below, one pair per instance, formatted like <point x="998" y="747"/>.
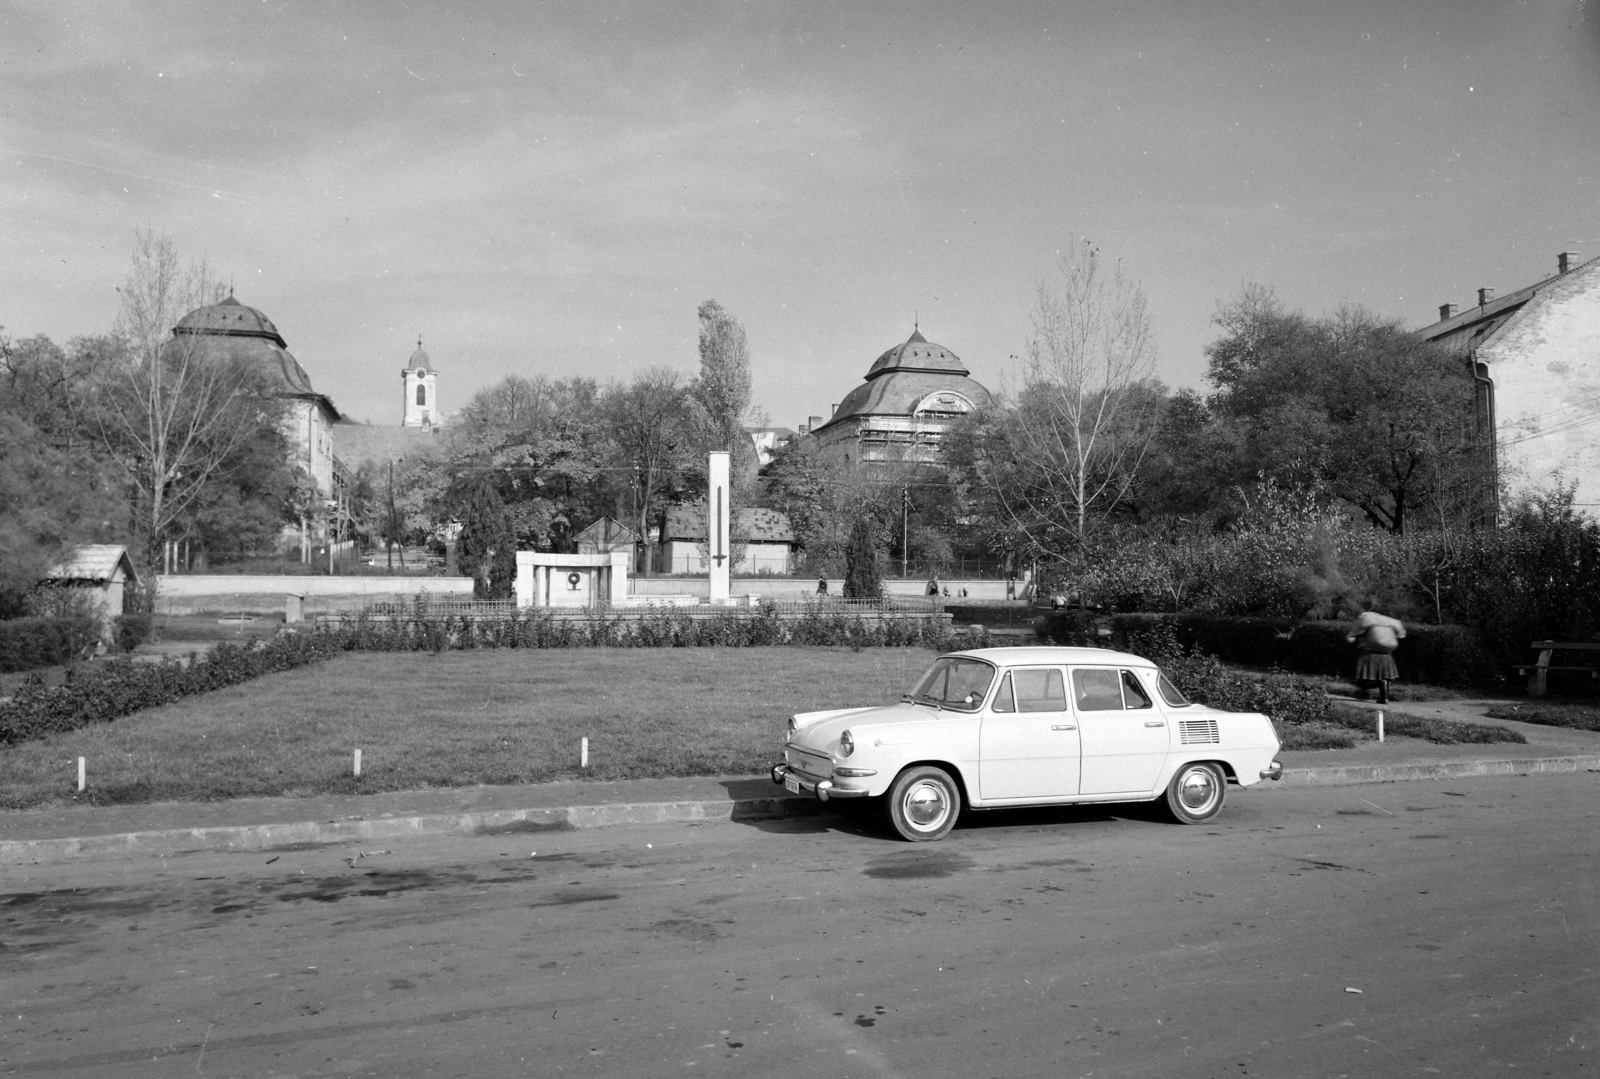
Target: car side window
<point x="1003" y="700"/>
<point x="1040" y="691"/>
<point x="1133" y="693"/>
<point x="1097" y="690"/>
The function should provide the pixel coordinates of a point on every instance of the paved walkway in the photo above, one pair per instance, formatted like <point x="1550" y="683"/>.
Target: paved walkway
<point x="163" y="829"/>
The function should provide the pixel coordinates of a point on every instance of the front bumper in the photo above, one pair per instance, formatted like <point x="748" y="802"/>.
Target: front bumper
<point x="1273" y="771"/>
<point x="800" y="783"/>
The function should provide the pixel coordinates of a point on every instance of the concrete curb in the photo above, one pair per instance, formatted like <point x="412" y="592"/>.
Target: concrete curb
<point x="302" y="834"/>
<point x="1350" y="775"/>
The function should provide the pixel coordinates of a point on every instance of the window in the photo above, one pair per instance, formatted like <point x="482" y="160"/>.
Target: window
<point x="1004" y="701"/>
<point x="1040" y="691"/>
<point x="422" y="394"/>
<point x="1133" y="694"/>
<point x="1097" y="691"/>
<point x="1170" y="693"/>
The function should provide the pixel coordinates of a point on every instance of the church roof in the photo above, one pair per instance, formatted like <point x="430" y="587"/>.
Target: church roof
<point x="231" y="331"/>
<point x="358" y="444"/>
<point x="419" y="360"/>
<point x="903" y="378"/>
<point x="230" y="318"/>
<point x="918" y="354"/>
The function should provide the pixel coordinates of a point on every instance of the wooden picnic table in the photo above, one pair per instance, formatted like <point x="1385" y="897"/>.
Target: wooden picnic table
<point x="1538" y="671"/>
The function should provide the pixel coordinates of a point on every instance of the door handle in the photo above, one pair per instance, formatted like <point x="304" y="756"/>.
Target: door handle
<point x="1154" y="723"/>
<point x="1063" y="726"/>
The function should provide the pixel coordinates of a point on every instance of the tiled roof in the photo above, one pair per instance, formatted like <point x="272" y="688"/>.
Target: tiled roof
<point x="1465" y="332"/>
<point x="918" y="354"/>
<point x="230" y="318"/>
<point x="358" y="444"/>
<point x="93" y="562"/>
<point x="688" y="522"/>
<point x="903" y="378"/>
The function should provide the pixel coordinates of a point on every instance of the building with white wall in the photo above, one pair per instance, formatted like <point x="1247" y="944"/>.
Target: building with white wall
<point x="1535" y="354"/>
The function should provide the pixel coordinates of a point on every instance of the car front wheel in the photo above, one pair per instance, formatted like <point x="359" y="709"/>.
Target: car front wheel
<point x="924" y="804"/>
<point x="1196" y="793"/>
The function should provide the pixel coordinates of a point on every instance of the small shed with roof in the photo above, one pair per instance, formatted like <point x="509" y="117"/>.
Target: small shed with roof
<point x="762" y="541"/>
<point x="104" y="573"/>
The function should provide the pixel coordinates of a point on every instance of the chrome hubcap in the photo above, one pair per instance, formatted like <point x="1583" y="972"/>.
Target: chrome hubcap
<point x="925" y="805"/>
<point x="1199" y="788"/>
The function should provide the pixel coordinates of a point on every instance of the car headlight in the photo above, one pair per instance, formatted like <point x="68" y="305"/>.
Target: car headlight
<point x="793" y="726"/>
<point x="847" y="744"/>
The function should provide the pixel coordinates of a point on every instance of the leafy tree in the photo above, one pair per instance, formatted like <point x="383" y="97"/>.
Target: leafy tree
<point x="1351" y="403"/>
<point x="51" y="499"/>
<point x="486" y="550"/>
<point x="863" y="578"/>
<point x="721" y="395"/>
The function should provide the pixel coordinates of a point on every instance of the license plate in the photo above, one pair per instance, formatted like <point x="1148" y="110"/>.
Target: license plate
<point x="791" y="784"/>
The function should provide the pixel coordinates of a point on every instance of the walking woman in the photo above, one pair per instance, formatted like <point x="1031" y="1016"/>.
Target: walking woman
<point x="1376" y="636"/>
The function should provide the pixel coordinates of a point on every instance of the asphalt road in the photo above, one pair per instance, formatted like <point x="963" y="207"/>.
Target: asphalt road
<point x="1062" y="943"/>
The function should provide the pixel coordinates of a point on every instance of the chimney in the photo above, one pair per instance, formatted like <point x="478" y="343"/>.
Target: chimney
<point x="816" y="421"/>
<point x="1566" y="261"/>
<point x="1485" y="297"/>
<point x="1448" y="310"/>
<point x="832" y="409"/>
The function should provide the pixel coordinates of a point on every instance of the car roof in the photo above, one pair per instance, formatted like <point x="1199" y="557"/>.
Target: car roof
<point x="1019" y="657"/>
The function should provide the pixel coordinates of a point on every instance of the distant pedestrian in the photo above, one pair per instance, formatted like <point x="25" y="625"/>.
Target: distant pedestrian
<point x="1376" y="636"/>
<point x="933" y="586"/>
<point x="822" y="586"/>
<point x="1011" y="586"/>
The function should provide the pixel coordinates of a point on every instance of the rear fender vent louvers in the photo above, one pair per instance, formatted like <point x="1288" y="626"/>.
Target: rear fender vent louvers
<point x="1196" y="731"/>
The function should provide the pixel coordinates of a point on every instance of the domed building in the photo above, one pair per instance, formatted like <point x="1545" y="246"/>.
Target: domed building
<point x="911" y="395"/>
<point x="231" y="331"/>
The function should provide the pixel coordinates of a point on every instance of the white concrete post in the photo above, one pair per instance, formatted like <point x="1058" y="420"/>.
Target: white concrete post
<point x="717" y="511"/>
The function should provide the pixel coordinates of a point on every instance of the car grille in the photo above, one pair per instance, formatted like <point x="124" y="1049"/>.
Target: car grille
<point x="1197" y="731"/>
<point x="808" y="763"/>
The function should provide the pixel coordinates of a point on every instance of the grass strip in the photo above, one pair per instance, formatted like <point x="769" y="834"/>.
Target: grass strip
<point x="1577" y="717"/>
<point x="1444" y="732"/>
<point x="459" y="719"/>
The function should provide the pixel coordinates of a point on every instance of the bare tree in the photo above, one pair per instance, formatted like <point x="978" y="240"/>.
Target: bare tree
<point x="1065" y="457"/>
<point x="175" y="414"/>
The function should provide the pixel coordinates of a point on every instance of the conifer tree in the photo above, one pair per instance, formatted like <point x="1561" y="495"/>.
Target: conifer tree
<point x="862" y="577"/>
<point x="487" y="547"/>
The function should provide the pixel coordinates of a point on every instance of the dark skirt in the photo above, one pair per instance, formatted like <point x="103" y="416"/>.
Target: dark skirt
<point x="1376" y="667"/>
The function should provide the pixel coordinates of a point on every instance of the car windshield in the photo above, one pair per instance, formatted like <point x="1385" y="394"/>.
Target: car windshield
<point x="954" y="682"/>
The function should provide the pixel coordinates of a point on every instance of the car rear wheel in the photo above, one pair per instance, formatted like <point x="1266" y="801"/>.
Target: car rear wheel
<point x="924" y="803"/>
<point x="1196" y="793"/>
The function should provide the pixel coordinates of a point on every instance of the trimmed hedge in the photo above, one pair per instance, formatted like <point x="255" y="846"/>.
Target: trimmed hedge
<point x="27" y="644"/>
<point x="121" y="686"/>
<point x="1439" y="655"/>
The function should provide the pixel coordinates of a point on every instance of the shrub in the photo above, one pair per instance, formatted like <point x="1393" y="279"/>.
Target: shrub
<point x="132" y="630"/>
<point x="29" y="643"/>
<point x="1439" y="655"/>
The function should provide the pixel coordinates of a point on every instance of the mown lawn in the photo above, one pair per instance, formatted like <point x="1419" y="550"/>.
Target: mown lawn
<point x="1576" y="715"/>
<point x="461" y="718"/>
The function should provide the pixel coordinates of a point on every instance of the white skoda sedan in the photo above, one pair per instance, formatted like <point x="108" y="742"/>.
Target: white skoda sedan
<point x="1002" y="727"/>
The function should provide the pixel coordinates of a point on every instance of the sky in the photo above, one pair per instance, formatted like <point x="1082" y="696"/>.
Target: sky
<point x="555" y="187"/>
